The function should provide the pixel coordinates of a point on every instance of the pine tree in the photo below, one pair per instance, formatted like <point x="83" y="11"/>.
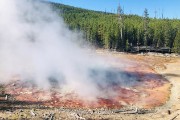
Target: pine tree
<point x="127" y="45"/>
<point x="176" y="47"/>
<point x="146" y="26"/>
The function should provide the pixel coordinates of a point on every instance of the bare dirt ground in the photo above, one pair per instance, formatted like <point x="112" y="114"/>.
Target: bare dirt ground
<point x="168" y="67"/>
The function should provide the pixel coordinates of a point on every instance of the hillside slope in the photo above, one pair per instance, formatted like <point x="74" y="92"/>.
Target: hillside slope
<point x="104" y="29"/>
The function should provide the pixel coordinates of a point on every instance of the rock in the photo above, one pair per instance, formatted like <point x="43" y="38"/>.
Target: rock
<point x="51" y="116"/>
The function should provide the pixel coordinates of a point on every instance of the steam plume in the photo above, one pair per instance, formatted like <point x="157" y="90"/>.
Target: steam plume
<point x="36" y="45"/>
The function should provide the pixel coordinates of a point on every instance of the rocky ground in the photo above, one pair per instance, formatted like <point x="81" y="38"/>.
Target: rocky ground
<point x="167" y="66"/>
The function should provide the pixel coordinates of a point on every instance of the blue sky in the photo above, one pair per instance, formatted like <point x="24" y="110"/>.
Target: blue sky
<point x="169" y="8"/>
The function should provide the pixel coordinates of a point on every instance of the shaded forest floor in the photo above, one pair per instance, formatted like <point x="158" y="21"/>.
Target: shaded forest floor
<point x="168" y="67"/>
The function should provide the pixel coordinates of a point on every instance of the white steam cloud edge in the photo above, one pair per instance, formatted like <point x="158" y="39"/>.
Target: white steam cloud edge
<point x="35" y="44"/>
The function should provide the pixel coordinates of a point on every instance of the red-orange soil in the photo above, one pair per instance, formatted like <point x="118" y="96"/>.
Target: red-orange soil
<point x="152" y="90"/>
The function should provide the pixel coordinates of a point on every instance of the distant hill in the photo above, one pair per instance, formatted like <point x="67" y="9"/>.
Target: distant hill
<point x="122" y="32"/>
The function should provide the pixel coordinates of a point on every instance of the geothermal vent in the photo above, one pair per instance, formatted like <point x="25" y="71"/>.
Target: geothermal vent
<point x="41" y="62"/>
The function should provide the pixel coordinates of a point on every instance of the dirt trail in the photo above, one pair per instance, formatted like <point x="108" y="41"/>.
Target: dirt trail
<point x="172" y="73"/>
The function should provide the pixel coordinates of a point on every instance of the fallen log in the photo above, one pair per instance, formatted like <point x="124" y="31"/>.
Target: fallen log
<point x="134" y="111"/>
<point x="32" y="113"/>
<point x="175" y="117"/>
<point x="77" y="116"/>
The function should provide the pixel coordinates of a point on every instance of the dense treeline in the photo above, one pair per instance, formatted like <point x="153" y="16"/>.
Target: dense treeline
<point x="114" y="31"/>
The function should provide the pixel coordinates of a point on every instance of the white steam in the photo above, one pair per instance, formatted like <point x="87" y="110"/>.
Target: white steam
<point x="36" y="45"/>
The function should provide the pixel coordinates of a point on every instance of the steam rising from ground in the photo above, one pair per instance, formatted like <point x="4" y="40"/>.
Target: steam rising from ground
<point x="36" y="45"/>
